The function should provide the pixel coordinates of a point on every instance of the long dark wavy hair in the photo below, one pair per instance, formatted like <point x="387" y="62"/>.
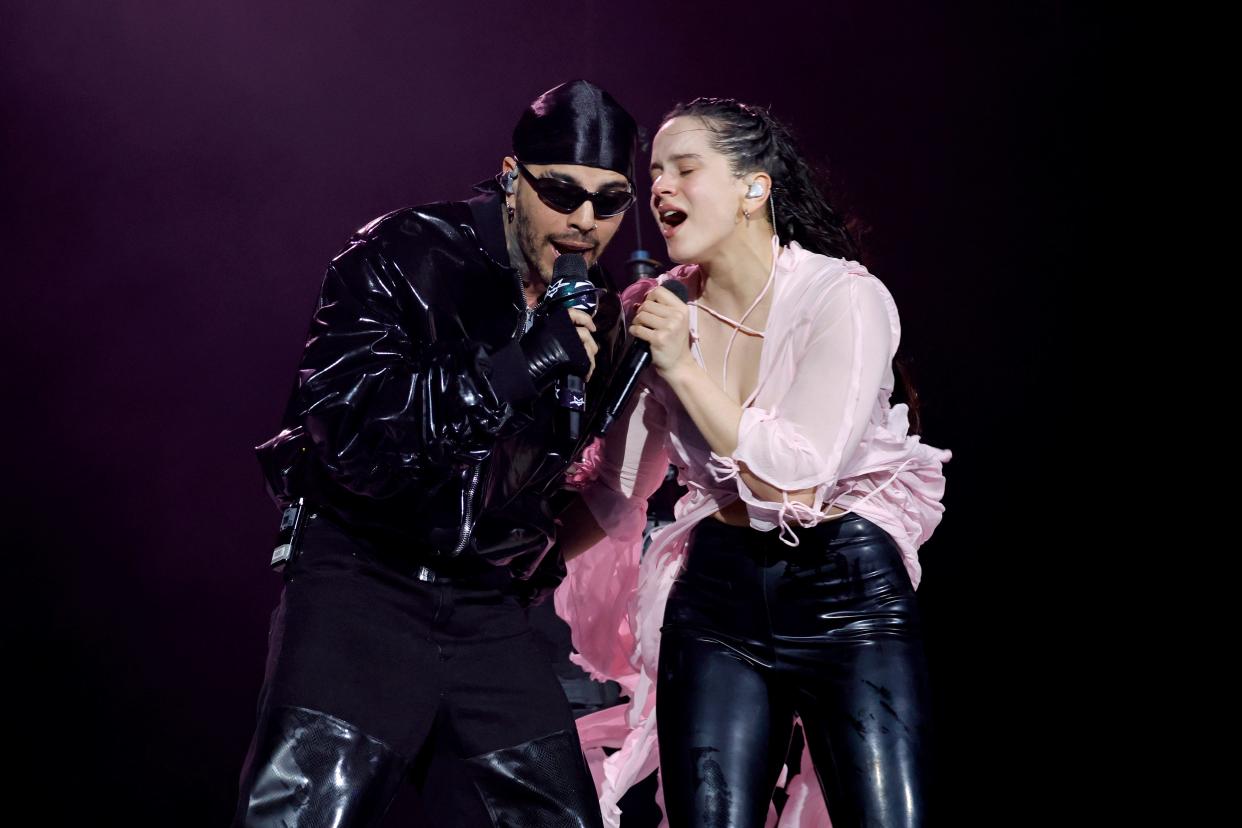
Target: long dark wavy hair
<point x="754" y="141"/>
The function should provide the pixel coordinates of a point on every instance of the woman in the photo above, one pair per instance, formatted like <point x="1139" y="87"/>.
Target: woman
<point x="786" y="586"/>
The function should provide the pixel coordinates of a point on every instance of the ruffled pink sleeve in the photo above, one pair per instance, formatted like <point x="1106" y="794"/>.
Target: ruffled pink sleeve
<point x="807" y="440"/>
<point x="626" y="468"/>
<point x="631" y="466"/>
<point x="632" y="460"/>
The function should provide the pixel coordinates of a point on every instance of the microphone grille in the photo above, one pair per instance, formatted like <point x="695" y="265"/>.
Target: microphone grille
<point x="677" y="289"/>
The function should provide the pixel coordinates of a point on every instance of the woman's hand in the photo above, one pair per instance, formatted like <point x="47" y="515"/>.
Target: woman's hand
<point x="663" y="321"/>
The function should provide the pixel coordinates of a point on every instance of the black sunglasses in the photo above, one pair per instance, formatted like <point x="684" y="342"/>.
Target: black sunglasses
<point x="564" y="197"/>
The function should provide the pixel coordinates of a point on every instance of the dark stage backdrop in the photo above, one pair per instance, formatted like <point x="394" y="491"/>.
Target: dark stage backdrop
<point x="177" y="174"/>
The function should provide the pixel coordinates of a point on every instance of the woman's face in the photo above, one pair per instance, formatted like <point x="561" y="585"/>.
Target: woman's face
<point x="696" y="199"/>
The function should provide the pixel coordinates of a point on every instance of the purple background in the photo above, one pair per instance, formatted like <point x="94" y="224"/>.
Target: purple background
<point x="176" y="176"/>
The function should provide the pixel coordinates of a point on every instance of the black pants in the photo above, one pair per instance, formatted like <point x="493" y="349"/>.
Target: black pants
<point x="375" y="676"/>
<point x="756" y="632"/>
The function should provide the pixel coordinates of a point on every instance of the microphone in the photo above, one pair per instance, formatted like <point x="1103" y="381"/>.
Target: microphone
<point x="636" y="359"/>
<point x="570" y="288"/>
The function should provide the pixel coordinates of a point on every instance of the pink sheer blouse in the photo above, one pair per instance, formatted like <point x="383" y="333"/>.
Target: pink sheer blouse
<point x="819" y="418"/>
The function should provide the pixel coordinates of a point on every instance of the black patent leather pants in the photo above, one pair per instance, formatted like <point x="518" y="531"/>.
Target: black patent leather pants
<point x="757" y="632"/>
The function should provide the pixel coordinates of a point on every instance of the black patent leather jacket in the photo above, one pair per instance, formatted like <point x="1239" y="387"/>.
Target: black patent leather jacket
<point x="401" y="425"/>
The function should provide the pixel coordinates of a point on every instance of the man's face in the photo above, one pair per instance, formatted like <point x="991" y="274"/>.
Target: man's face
<point x="539" y="233"/>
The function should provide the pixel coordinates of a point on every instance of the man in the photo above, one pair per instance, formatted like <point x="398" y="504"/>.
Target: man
<point x="425" y="442"/>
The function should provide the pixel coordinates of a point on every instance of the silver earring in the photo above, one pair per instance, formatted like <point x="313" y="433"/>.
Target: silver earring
<point x="509" y="211"/>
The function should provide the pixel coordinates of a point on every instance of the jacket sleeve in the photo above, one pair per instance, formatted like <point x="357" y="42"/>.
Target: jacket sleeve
<point x="383" y="405"/>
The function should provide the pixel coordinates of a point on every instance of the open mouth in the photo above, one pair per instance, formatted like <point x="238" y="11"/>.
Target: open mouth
<point x="670" y="220"/>
<point x="672" y="217"/>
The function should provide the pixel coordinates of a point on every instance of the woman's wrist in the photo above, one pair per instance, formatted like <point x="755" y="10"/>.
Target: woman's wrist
<point x="682" y="374"/>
